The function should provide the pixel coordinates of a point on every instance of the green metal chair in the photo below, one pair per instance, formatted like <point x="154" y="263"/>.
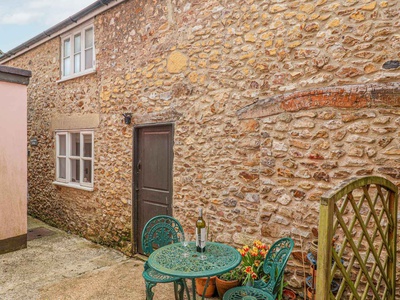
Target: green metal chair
<point x="274" y="267"/>
<point x="158" y="232"/>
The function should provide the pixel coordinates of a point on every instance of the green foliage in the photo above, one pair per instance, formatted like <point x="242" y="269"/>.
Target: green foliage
<point x="235" y="274"/>
<point x="279" y="296"/>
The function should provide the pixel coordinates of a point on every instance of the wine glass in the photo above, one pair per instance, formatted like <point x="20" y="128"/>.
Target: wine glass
<point x="185" y="238"/>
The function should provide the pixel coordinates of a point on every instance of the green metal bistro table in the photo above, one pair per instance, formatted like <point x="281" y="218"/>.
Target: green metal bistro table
<point x="170" y="260"/>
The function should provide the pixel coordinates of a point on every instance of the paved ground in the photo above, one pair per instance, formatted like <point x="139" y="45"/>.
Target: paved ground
<point x="64" y="266"/>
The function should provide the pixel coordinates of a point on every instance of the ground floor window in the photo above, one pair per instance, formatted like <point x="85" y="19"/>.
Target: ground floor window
<point x="74" y="158"/>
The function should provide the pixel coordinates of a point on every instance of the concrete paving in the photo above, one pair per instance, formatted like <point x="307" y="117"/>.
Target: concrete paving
<point x="64" y="266"/>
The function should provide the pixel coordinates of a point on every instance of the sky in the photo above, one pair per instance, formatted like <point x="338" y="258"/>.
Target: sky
<point x="21" y="20"/>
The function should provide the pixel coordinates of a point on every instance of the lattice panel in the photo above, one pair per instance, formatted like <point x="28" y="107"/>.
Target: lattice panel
<point x="363" y="250"/>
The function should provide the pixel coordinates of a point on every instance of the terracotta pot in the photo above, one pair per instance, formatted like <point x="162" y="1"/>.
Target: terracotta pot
<point x="314" y="276"/>
<point x="310" y="293"/>
<point x="289" y="294"/>
<point x="201" y="282"/>
<point x="314" y="231"/>
<point x="314" y="248"/>
<point x="224" y="285"/>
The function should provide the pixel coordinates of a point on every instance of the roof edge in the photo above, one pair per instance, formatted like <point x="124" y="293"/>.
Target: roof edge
<point x="77" y="18"/>
<point x="14" y="75"/>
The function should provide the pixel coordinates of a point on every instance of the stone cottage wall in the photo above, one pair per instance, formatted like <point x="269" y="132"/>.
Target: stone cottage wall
<point x="198" y="64"/>
<point x="309" y="144"/>
<point x="103" y="215"/>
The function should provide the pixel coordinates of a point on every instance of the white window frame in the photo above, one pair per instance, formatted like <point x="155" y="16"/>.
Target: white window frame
<point x="71" y="37"/>
<point x="67" y="181"/>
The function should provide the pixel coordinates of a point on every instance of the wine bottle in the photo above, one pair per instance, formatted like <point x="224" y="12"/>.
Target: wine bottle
<point x="200" y="232"/>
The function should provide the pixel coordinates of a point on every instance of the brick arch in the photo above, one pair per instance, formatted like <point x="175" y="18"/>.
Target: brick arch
<point x="348" y="96"/>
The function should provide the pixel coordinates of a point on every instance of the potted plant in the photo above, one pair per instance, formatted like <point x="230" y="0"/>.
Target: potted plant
<point x="228" y="280"/>
<point x="252" y="262"/>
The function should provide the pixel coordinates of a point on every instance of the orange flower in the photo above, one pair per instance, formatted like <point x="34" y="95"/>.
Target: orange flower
<point x="254" y="253"/>
<point x="260" y="245"/>
<point x="249" y="270"/>
<point x="257" y="263"/>
<point x="263" y="253"/>
<point x="254" y="275"/>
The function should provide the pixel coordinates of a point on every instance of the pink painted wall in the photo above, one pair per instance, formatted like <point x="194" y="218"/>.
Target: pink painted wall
<point x="13" y="160"/>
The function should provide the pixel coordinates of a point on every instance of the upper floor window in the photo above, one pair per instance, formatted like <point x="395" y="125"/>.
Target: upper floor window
<point x="78" y="56"/>
<point x="74" y="159"/>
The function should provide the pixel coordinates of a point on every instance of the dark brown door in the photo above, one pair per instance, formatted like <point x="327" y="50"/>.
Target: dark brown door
<point x="153" y="178"/>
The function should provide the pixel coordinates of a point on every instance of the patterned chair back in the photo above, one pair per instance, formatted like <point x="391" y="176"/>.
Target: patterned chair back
<point x="275" y="263"/>
<point x="160" y="231"/>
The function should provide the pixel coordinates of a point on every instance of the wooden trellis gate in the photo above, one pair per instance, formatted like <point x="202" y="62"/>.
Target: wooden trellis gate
<point x="357" y="240"/>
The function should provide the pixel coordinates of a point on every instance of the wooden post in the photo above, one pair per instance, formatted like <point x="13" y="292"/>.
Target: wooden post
<point x="324" y="258"/>
<point x="392" y="236"/>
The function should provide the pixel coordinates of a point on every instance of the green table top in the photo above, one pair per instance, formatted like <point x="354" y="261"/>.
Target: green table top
<point x="169" y="260"/>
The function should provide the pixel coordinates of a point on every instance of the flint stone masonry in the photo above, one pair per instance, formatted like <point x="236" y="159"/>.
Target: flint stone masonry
<point x="391" y="64"/>
<point x="273" y="103"/>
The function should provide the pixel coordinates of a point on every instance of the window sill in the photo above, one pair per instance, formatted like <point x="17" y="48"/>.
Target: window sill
<point x="66" y="78"/>
<point x="74" y="186"/>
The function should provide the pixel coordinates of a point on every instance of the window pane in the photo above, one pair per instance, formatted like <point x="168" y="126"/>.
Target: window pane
<point x="87" y="145"/>
<point x="62" y="146"/>
<point x="67" y="47"/>
<point x="77" y="43"/>
<point x="62" y="168"/>
<point x="67" y="66"/>
<point x="75" y="170"/>
<point x="88" y="38"/>
<point x="88" y="58"/>
<point x="87" y="171"/>
<point x="77" y="63"/>
<point x="75" y="144"/>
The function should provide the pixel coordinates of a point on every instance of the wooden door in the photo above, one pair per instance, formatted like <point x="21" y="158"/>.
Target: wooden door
<point x="153" y="175"/>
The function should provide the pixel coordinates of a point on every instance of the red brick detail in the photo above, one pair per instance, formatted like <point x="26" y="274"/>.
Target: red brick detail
<point x="351" y="96"/>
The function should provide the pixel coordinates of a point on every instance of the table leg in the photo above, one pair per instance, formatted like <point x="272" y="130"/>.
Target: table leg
<point x="205" y="287"/>
<point x="194" y="288"/>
